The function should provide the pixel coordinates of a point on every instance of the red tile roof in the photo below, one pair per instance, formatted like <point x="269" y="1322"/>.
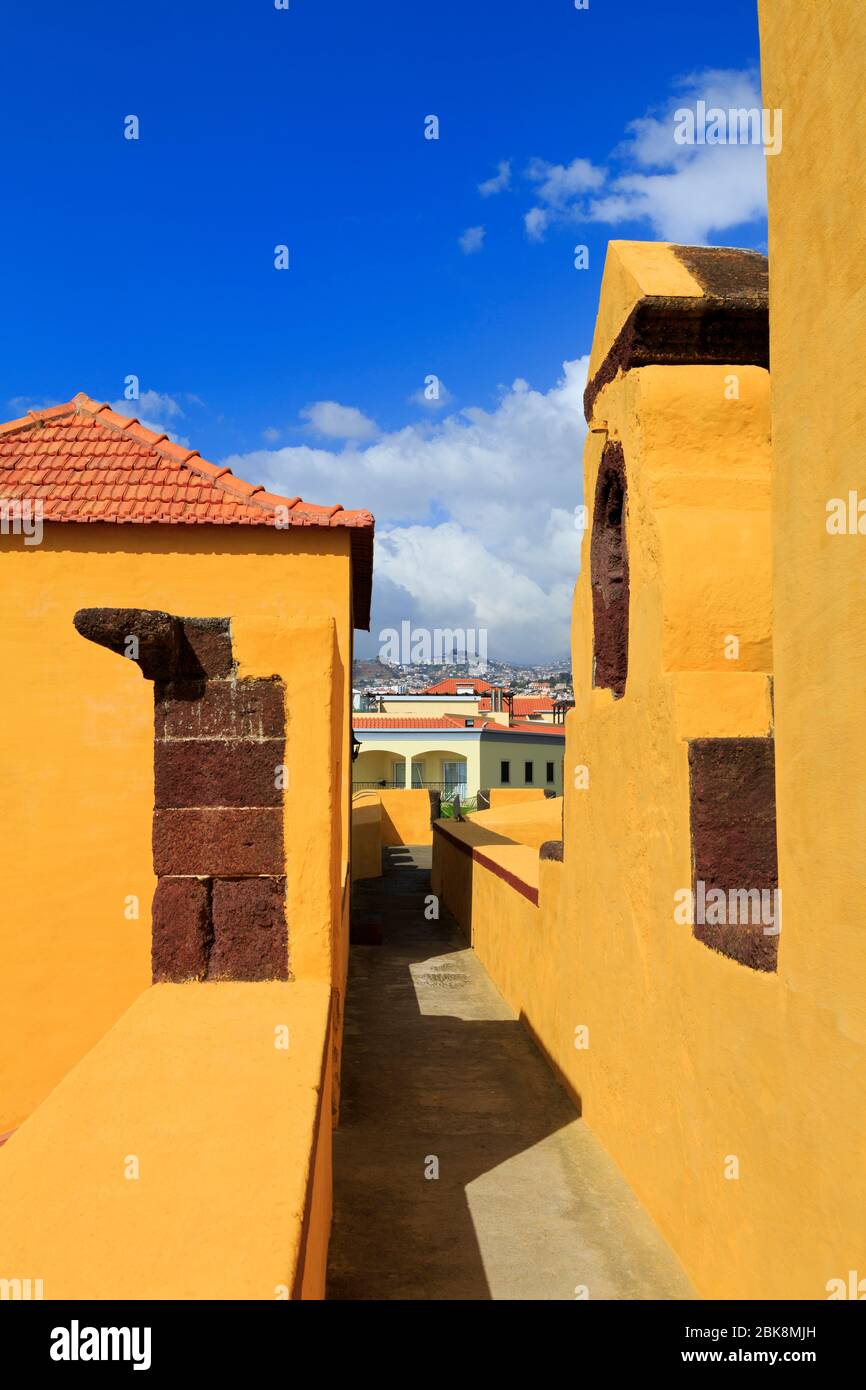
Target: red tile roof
<point x="449" y="686"/>
<point x="87" y="464"/>
<point x="525" y="704"/>
<point x="406" y="721"/>
<point x="451" y="721"/>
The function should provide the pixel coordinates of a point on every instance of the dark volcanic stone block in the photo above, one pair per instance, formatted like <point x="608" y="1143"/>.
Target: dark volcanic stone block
<point x="250" y="938"/>
<point x="157" y="637"/>
<point x="181" y="929"/>
<point x="733" y="827"/>
<point x="552" y="849"/>
<point x="214" y="772"/>
<point x="205" y="647"/>
<point x="222" y="709"/>
<point x="223" y="841"/>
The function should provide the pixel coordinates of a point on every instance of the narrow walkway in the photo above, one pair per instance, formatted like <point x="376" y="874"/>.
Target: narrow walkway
<point x="438" y="1074"/>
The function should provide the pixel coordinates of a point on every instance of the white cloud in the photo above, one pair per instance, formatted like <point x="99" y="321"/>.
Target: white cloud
<point x="500" y="180"/>
<point x="686" y="193"/>
<point x="474" y="513"/>
<point x="536" y="223"/>
<point x="339" y="421"/>
<point x="270" y="435"/>
<point x="471" y="240"/>
<point x="558" y="183"/>
<point x="158" y="404"/>
<point x="156" y="411"/>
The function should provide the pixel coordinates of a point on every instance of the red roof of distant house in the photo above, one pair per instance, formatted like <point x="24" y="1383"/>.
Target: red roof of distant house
<point x="524" y="704"/>
<point x="449" y="721"/>
<point x="449" y="686"/>
<point x="86" y="463"/>
<point x="405" y="721"/>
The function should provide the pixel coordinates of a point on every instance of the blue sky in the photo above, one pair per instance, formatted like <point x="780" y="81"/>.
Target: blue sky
<point x="305" y="127"/>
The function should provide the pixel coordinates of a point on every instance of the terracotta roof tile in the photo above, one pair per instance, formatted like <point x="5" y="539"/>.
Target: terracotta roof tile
<point x="450" y="684"/>
<point x="86" y="463"/>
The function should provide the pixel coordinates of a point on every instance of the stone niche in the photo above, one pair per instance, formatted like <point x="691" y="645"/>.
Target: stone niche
<point x="219" y="910"/>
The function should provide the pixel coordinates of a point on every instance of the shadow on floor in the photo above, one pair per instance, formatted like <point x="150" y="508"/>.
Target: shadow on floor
<point x="439" y="1074"/>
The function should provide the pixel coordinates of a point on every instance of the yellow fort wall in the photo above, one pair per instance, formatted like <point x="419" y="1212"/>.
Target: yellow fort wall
<point x="404" y="819"/>
<point x="187" y="1156"/>
<point x="79" y="765"/>
<point x="694" y="1060"/>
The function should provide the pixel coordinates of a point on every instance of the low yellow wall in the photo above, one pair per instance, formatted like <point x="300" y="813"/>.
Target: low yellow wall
<point x="508" y="796"/>
<point x="527" y="823"/>
<point x="232" y="1141"/>
<point x="405" y="815"/>
<point x="76" y="863"/>
<point x="481" y="883"/>
<point x="366" y="840"/>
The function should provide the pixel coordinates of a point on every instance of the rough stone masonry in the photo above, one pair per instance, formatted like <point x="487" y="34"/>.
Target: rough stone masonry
<point x="219" y="910"/>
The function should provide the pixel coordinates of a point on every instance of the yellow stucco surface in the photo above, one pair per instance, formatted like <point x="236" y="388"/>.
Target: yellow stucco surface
<point x="507" y="796"/>
<point x="631" y="271"/>
<point x="525" y="822"/>
<point x="367" y="840"/>
<point x="813" y="60"/>
<point x="694" y="1061"/>
<point x="178" y="1159"/>
<point x="76" y="853"/>
<point x="405" y="814"/>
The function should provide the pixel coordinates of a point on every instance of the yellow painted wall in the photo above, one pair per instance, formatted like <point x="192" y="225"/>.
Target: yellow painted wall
<point x="232" y="1139"/>
<point x="813" y="60"/>
<point x="509" y="796"/>
<point x="405" y="815"/>
<point x="509" y="933"/>
<point x="693" y="1058"/>
<point x="524" y="822"/>
<point x="379" y="751"/>
<point x="367" y="840"/>
<point x="379" y="754"/>
<point x="78" y="770"/>
<point x="519" y="751"/>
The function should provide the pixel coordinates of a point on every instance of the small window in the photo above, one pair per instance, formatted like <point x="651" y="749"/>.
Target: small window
<point x="505" y="773"/>
<point x="550" y="772"/>
<point x="470" y="723"/>
<point x="527" y="773"/>
<point x="608" y="560"/>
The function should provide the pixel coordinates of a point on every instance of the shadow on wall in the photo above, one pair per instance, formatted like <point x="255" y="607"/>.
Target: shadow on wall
<point x="470" y="1092"/>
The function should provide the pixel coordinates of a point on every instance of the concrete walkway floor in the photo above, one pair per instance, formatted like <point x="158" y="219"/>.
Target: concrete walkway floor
<point x="439" y="1076"/>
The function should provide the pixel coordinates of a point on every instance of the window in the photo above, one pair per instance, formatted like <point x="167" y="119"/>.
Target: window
<point x="608" y="562"/>
<point x="454" y="777"/>
<point x="550" y="772"/>
<point x="505" y="773"/>
<point x="527" y="773"/>
<point x="470" y="723"/>
<point x="399" y="773"/>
